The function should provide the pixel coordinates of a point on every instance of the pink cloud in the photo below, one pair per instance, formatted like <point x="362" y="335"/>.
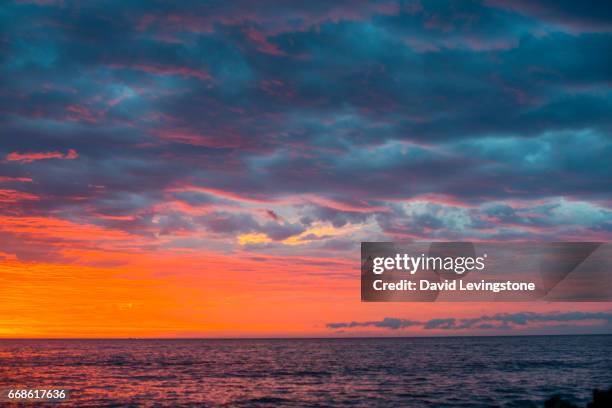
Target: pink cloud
<point x="263" y="45"/>
<point x="158" y="69"/>
<point x="221" y="193"/>
<point x="82" y="113"/>
<point x="6" y="179"/>
<point x="13" y="196"/>
<point x="34" y="156"/>
<point x="360" y="207"/>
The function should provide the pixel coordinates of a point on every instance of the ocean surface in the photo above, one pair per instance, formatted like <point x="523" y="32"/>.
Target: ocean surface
<point x="407" y="372"/>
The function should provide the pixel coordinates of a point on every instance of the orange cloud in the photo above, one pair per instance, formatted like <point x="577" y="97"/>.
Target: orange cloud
<point x="53" y="235"/>
<point x="30" y="157"/>
<point x="255" y="238"/>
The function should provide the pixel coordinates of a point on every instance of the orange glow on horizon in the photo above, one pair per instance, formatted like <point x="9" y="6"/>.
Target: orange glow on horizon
<point x="87" y="280"/>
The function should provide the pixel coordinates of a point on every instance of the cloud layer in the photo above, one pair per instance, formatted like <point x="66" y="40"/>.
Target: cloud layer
<point x="411" y="120"/>
<point x="500" y="321"/>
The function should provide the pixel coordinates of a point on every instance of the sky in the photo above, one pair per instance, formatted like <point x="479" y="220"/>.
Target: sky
<point x="209" y="169"/>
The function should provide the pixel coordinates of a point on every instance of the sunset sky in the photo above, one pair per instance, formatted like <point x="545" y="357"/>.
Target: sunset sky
<point x="174" y="169"/>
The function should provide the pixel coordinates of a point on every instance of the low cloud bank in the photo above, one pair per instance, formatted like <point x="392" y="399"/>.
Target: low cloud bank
<point x="496" y="321"/>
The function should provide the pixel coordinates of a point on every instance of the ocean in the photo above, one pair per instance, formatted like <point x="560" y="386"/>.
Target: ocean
<point x="407" y="372"/>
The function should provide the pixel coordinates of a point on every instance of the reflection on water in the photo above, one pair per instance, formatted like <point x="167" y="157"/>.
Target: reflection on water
<point x="500" y="371"/>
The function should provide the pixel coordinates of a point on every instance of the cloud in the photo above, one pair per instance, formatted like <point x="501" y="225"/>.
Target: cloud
<point x="14" y="196"/>
<point x="386" y="323"/>
<point x="344" y="114"/>
<point x="576" y="17"/>
<point x="486" y="322"/>
<point x="495" y="220"/>
<point x="34" y="156"/>
<point x="440" y="323"/>
<point x="9" y="179"/>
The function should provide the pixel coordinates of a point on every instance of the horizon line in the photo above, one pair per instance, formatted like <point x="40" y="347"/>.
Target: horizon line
<point x="304" y="337"/>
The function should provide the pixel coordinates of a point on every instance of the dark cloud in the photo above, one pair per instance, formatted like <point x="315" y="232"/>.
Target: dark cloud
<point x="228" y="223"/>
<point x="440" y="324"/>
<point x="387" y="323"/>
<point x="497" y="321"/>
<point x="281" y="231"/>
<point x="366" y="104"/>
<point x="592" y="16"/>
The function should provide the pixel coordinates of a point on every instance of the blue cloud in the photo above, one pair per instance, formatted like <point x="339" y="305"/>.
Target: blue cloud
<point x="374" y="104"/>
<point x="485" y="322"/>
